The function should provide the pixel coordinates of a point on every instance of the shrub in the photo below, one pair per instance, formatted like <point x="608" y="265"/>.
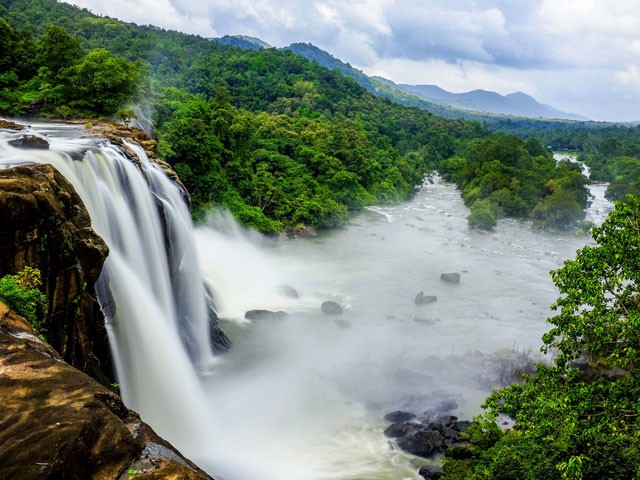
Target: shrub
<point x="21" y="293"/>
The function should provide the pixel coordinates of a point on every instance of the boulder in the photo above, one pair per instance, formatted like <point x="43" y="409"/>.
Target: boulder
<point x="8" y="125"/>
<point x="423" y="443"/>
<point x="401" y="430"/>
<point x="424" y="437"/>
<point x="342" y="323"/>
<point x="453" y="277"/>
<point x="431" y="472"/>
<point x="399" y="416"/>
<point x="30" y="141"/>
<point x="58" y="422"/>
<point x="287" y="291"/>
<point x="331" y="308"/>
<point x="422" y="299"/>
<point x="265" y="315"/>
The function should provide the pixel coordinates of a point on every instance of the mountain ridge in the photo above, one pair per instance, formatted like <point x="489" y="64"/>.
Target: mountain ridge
<point x="428" y="97"/>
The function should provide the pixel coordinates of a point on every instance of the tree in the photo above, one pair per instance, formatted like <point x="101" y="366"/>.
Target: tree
<point x="577" y="420"/>
<point x="57" y="49"/>
<point x="101" y="82"/>
<point x="600" y="309"/>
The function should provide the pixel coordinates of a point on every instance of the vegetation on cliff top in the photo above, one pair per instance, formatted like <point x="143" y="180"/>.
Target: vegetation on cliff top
<point x="21" y="292"/>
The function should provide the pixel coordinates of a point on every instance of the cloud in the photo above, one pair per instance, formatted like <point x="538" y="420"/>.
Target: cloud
<point x="162" y="13"/>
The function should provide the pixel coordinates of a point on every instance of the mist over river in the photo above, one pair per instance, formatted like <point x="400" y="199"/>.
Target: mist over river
<point x="304" y="397"/>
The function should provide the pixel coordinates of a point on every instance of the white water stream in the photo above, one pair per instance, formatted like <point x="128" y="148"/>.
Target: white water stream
<point x="303" y="398"/>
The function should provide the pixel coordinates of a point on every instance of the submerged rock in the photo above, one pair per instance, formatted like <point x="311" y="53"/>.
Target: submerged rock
<point x="342" y="323"/>
<point x="331" y="308"/>
<point x="58" y="422"/>
<point x="288" y="291"/>
<point x="265" y="315"/>
<point x="453" y="277"/>
<point x="422" y="299"/>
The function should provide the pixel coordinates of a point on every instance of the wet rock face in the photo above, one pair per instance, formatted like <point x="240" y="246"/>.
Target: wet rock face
<point x="56" y="422"/>
<point x="44" y="224"/>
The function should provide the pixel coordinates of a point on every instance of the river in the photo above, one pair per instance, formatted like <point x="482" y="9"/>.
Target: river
<point x="303" y="398"/>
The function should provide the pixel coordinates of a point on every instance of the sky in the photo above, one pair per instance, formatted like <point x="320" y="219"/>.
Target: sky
<point x="580" y="56"/>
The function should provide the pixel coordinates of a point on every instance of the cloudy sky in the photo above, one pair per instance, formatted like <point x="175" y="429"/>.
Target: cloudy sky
<point x="581" y="56"/>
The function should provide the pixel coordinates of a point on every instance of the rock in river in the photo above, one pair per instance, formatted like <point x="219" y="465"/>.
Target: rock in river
<point x="331" y="308"/>
<point x="422" y="299"/>
<point x="453" y="277"/>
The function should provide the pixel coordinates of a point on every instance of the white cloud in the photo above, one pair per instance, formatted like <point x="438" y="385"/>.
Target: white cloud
<point x="161" y="13"/>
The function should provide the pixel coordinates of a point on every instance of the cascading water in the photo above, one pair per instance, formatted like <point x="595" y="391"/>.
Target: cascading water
<point x="150" y="289"/>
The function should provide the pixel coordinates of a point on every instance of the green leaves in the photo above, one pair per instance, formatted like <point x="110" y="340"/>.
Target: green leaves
<point x="21" y="293"/>
<point x="600" y="306"/>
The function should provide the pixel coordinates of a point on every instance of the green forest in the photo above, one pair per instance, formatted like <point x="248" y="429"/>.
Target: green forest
<point x="283" y="142"/>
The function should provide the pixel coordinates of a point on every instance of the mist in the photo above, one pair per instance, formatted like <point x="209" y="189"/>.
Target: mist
<point x="305" y="396"/>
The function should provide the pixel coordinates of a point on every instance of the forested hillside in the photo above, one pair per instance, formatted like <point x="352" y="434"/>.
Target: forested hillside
<point x="279" y="140"/>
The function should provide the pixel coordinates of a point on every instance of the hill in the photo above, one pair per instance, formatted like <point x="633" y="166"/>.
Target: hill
<point x="517" y="104"/>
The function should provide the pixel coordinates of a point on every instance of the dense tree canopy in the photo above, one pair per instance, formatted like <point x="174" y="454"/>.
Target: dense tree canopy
<point x="502" y="176"/>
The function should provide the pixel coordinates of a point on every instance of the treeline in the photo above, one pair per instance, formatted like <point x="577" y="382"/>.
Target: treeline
<point x="49" y="75"/>
<point x="611" y="151"/>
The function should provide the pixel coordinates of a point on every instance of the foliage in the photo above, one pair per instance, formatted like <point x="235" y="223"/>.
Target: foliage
<point x="504" y="176"/>
<point x="49" y="75"/>
<point x="21" y="293"/>
<point x="570" y="422"/>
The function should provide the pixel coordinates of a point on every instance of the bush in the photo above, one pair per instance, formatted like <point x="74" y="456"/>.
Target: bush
<point x="482" y="216"/>
<point x="21" y="293"/>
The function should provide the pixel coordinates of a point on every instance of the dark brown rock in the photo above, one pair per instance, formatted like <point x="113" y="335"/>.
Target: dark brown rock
<point x="8" y="125"/>
<point x="44" y="224"/>
<point x="58" y="423"/>
<point x="35" y="142"/>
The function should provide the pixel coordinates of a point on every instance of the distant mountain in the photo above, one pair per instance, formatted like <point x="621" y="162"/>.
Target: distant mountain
<point x="479" y="105"/>
<point x="517" y="104"/>
<point x="242" y="41"/>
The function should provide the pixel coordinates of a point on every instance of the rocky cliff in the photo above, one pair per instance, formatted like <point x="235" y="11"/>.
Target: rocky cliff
<point x="43" y="224"/>
<point x="58" y="423"/>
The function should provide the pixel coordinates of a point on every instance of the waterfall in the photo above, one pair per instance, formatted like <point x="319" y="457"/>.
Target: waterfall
<point x="150" y="290"/>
